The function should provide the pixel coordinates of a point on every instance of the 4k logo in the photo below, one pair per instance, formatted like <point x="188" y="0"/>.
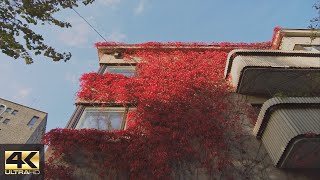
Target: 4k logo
<point x="22" y="160"/>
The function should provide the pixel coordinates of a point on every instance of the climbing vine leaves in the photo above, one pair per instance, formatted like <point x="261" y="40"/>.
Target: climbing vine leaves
<point x="183" y="118"/>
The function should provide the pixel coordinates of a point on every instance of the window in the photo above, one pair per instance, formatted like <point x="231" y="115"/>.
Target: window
<point x="2" y="107"/>
<point x="14" y="112"/>
<point x="305" y="47"/>
<point x="8" y="110"/>
<point x="103" y="118"/>
<point x="6" y="121"/>
<point x="32" y="121"/>
<point x="125" y="70"/>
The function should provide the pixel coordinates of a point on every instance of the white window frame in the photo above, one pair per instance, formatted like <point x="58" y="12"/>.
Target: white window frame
<point x="4" y="109"/>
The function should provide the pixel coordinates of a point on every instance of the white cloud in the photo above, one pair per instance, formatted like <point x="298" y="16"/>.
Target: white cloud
<point x="78" y="34"/>
<point x="116" y="37"/>
<point x="109" y="3"/>
<point x="23" y="93"/>
<point x="140" y="8"/>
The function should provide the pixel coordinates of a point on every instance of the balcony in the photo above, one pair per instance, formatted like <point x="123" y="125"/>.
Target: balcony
<point x="266" y="73"/>
<point x="289" y="129"/>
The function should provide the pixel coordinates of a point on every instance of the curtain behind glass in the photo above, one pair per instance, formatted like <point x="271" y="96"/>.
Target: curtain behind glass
<point x="102" y="120"/>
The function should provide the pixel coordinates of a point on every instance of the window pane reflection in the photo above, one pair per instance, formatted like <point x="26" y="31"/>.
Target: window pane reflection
<point x="125" y="70"/>
<point x="107" y="119"/>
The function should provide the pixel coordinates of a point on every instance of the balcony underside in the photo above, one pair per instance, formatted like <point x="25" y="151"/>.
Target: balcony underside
<point x="270" y="81"/>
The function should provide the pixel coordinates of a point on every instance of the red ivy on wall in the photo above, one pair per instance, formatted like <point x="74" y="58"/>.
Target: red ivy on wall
<point x="276" y="38"/>
<point x="183" y="115"/>
<point x="221" y="45"/>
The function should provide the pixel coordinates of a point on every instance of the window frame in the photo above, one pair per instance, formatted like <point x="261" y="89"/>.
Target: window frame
<point x="303" y="47"/>
<point x="115" y="60"/>
<point x="117" y="70"/>
<point x="8" y="110"/>
<point x="4" y="108"/>
<point x="90" y="109"/>
<point x="14" y="112"/>
<point x="5" y="121"/>
<point x="36" y="119"/>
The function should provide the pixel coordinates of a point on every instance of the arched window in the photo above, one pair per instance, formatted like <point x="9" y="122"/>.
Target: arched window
<point x="2" y="108"/>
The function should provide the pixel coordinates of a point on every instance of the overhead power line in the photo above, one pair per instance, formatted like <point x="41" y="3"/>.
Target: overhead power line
<point x="89" y="24"/>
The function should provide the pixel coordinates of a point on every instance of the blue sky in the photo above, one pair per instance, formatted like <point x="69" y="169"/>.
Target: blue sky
<point x="51" y="86"/>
